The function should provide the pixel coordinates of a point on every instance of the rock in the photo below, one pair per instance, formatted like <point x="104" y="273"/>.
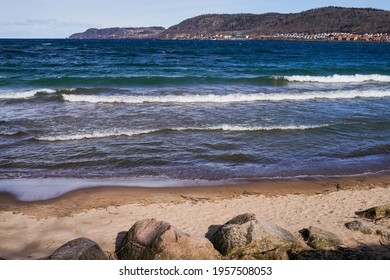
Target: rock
<point x="152" y="239"/>
<point x="375" y="213"/>
<point x="248" y="237"/>
<point x="252" y="252"/>
<point x="320" y="239"/>
<point x="79" y="249"/>
<point x="383" y="233"/>
<point x="358" y="226"/>
<point x="385" y="241"/>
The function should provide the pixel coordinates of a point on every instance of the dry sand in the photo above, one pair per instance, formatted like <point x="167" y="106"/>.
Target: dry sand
<point x="34" y="230"/>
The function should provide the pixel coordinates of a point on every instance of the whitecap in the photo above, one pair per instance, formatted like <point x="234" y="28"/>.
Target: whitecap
<point x="131" y="133"/>
<point x="228" y="98"/>
<point x="358" y="78"/>
<point x="23" y="94"/>
<point x="239" y="128"/>
<point x="93" y="134"/>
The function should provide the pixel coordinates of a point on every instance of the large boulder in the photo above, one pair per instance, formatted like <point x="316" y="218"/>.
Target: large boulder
<point x="359" y="226"/>
<point x="152" y="239"/>
<point x="78" y="249"/>
<point x="249" y="237"/>
<point x="320" y="239"/>
<point x="375" y="213"/>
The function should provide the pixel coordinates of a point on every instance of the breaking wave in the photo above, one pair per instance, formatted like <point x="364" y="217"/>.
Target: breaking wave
<point x="94" y="134"/>
<point x="130" y="133"/>
<point x="228" y="98"/>
<point x="358" y="78"/>
<point x="24" y="94"/>
<point x="238" y="128"/>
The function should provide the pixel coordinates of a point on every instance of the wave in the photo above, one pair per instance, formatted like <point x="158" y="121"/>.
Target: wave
<point x="358" y="78"/>
<point x="24" y="94"/>
<point x="14" y="133"/>
<point x="94" y="96"/>
<point x="156" y="80"/>
<point x="130" y="133"/>
<point x="228" y="98"/>
<point x="376" y="150"/>
<point x="238" y="128"/>
<point x="95" y="134"/>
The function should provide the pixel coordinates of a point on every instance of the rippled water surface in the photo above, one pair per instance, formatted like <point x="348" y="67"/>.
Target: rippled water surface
<point x="192" y="110"/>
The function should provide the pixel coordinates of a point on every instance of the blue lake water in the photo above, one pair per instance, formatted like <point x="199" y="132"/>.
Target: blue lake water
<point x="192" y="110"/>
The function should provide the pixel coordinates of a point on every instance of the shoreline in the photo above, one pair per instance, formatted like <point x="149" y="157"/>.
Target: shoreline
<point x="104" y="214"/>
<point x="95" y="197"/>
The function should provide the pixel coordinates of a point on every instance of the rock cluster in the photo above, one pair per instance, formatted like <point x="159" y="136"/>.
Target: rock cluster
<point x="372" y="224"/>
<point x="245" y="237"/>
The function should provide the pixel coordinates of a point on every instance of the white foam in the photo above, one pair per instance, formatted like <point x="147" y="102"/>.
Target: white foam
<point x="228" y="98"/>
<point x="210" y="98"/>
<point x="130" y="133"/>
<point x="238" y="128"/>
<point x="94" y="134"/>
<point x="23" y="94"/>
<point x="8" y="133"/>
<point x="358" y="78"/>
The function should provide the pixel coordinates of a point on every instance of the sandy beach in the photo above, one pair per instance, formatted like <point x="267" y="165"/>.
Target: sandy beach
<point x="35" y="229"/>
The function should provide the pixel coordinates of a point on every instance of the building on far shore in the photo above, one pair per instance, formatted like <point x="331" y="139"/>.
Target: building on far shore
<point x="334" y="37"/>
<point x="349" y="37"/>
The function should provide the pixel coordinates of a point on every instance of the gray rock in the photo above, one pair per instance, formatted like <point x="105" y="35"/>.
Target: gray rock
<point x="152" y="239"/>
<point x="383" y="233"/>
<point x="375" y="213"/>
<point x="358" y="226"/>
<point x="320" y="239"/>
<point x="248" y="237"/>
<point x="78" y="249"/>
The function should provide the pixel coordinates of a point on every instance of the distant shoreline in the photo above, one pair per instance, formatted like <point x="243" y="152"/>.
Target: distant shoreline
<point x="220" y="40"/>
<point x="327" y="23"/>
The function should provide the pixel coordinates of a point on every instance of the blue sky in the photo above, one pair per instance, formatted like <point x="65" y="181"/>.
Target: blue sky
<point x="61" y="18"/>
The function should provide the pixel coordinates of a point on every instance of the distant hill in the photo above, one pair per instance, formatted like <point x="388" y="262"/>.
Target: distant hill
<point x="119" y="33"/>
<point x="315" y="21"/>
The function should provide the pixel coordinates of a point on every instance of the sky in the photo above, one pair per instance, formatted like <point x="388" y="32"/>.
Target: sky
<point x="61" y="18"/>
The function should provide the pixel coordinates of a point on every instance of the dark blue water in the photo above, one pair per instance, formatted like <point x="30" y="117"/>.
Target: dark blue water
<point x="192" y="110"/>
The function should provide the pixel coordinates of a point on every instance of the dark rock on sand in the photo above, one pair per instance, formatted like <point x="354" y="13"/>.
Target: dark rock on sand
<point x="359" y="226"/>
<point x="362" y="252"/>
<point x="320" y="239"/>
<point x="383" y="233"/>
<point x="78" y="249"/>
<point x="152" y="239"/>
<point x="375" y="213"/>
<point x="249" y="237"/>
